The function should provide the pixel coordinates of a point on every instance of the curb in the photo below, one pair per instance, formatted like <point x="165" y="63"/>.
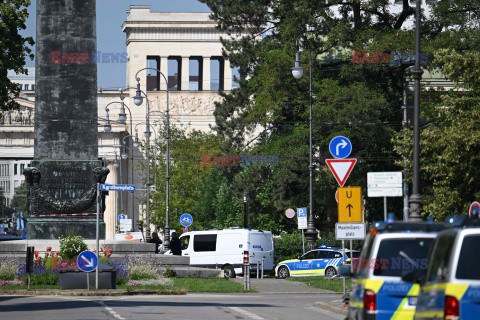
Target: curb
<point x="333" y="309"/>
<point x="79" y="293"/>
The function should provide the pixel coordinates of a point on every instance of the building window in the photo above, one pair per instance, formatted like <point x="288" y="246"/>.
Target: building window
<point x="195" y="70"/>
<point x="33" y="87"/>
<point x="174" y="71"/>
<point x="21" y="87"/>
<point x="15" y="169"/>
<point x="216" y="73"/>
<point x="235" y="77"/>
<point x="22" y="167"/>
<point x="153" y="77"/>
<point x="26" y="87"/>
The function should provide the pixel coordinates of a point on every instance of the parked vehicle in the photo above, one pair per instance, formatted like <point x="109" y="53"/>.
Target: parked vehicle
<point x="451" y="287"/>
<point x="225" y="249"/>
<point x="322" y="261"/>
<point x="389" y="250"/>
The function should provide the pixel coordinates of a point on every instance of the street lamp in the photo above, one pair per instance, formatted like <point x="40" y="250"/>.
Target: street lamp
<point x="297" y="72"/>
<point x="138" y="100"/>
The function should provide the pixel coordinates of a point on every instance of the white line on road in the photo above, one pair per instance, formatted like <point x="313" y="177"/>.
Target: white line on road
<point x="246" y="313"/>
<point x="112" y="312"/>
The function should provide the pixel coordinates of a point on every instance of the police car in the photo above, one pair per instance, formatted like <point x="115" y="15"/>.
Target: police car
<point x="322" y="261"/>
<point x="451" y="287"/>
<point x="389" y="250"/>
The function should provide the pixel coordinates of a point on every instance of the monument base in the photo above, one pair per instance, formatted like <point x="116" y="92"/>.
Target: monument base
<point x="56" y="227"/>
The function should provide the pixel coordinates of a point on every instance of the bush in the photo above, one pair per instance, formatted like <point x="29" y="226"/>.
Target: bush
<point x="8" y="269"/>
<point x="141" y="268"/>
<point x="71" y="246"/>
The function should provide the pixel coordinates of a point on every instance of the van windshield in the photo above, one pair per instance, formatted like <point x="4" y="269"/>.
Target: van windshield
<point x="395" y="256"/>
<point x="184" y="242"/>
<point x="470" y="259"/>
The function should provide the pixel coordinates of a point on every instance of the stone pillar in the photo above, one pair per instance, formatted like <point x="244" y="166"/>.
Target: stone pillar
<point x="111" y="211"/>
<point x="227" y="76"/>
<point x="164" y="70"/>
<point x="185" y="74"/>
<point x="206" y="74"/>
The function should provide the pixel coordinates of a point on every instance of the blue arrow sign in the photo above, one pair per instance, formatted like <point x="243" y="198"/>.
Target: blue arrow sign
<point x="301" y="212"/>
<point x="118" y="187"/>
<point x="87" y="261"/>
<point x="340" y="147"/>
<point x="186" y="220"/>
<point x="121" y="217"/>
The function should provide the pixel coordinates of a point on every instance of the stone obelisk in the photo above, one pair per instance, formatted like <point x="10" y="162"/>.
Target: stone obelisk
<point x="63" y="176"/>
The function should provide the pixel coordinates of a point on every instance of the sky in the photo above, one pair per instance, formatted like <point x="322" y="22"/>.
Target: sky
<point x="111" y="14"/>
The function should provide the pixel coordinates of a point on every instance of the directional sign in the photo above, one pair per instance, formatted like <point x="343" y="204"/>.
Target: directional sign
<point x="474" y="210"/>
<point x="186" y="220"/>
<point x="350" y="204"/>
<point x="349" y="231"/>
<point x="121" y="217"/>
<point x="87" y="261"/>
<point x="341" y="168"/>
<point x="290" y="213"/>
<point x="384" y="184"/>
<point x="302" y="218"/>
<point x="118" y="187"/>
<point x="340" y="147"/>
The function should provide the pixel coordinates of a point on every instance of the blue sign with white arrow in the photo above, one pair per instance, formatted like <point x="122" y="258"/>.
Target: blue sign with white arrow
<point x="118" y="187"/>
<point x="340" y="147"/>
<point x="121" y="217"/>
<point x="186" y="220"/>
<point x="87" y="261"/>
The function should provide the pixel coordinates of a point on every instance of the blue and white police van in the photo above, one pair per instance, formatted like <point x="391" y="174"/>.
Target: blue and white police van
<point x="450" y="289"/>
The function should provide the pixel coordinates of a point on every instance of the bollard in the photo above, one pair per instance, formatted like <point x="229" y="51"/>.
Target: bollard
<point x="262" y="266"/>
<point x="258" y="269"/>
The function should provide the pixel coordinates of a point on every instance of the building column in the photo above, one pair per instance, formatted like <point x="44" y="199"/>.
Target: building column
<point x="185" y="80"/>
<point x="111" y="210"/>
<point x="164" y="70"/>
<point x="206" y="74"/>
<point x="227" y="76"/>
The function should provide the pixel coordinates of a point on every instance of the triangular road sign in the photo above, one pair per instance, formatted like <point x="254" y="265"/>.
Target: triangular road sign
<point x="341" y="168"/>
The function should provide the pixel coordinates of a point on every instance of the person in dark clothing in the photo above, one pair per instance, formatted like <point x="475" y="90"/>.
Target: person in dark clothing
<point x="155" y="239"/>
<point x="175" y="245"/>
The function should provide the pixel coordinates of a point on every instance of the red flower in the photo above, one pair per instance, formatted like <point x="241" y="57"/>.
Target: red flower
<point x="49" y="248"/>
<point x="36" y="253"/>
<point x="57" y="252"/>
<point x="39" y="259"/>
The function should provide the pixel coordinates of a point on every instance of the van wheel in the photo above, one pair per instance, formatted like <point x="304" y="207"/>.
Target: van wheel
<point x="283" y="272"/>
<point x="229" y="272"/>
<point x="331" y="272"/>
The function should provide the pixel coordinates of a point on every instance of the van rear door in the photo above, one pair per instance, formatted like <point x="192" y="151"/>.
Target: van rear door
<point x="261" y="248"/>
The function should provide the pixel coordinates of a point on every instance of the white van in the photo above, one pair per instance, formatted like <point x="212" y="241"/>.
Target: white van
<point x="224" y="249"/>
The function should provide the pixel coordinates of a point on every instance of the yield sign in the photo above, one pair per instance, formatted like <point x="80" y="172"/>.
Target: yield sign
<point x="341" y="168"/>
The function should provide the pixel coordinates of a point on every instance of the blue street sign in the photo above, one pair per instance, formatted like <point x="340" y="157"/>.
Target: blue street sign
<point x="186" y="220"/>
<point x="301" y="212"/>
<point x="87" y="261"/>
<point x="340" y="147"/>
<point x="118" y="187"/>
<point x="121" y="217"/>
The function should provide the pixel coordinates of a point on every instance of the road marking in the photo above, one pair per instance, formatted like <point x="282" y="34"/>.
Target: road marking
<point x="112" y="312"/>
<point x="246" y="313"/>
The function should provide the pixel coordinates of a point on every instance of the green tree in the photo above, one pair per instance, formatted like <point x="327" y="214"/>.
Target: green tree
<point x="450" y="145"/>
<point x="186" y="173"/>
<point x="14" y="48"/>
<point x="359" y="100"/>
<point x="20" y="198"/>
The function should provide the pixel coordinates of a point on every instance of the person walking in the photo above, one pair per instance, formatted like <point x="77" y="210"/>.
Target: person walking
<point x="175" y="245"/>
<point x="155" y="239"/>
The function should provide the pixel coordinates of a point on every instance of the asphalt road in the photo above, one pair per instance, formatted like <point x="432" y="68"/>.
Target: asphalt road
<point x="190" y="306"/>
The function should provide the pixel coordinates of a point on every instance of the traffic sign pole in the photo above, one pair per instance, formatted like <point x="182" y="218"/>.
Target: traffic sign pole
<point x="98" y="227"/>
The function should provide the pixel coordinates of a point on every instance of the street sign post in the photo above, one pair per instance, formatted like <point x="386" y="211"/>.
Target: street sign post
<point x="341" y="169"/>
<point x="340" y="147"/>
<point x="349" y="231"/>
<point x="87" y="261"/>
<point x="474" y="209"/>
<point x="290" y="213"/>
<point x="302" y="218"/>
<point x="125" y="225"/>
<point x="118" y="187"/>
<point x="186" y="220"/>
<point x="350" y="204"/>
<point x="384" y="184"/>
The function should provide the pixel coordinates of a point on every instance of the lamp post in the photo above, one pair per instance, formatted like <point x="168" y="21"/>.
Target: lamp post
<point x="138" y="100"/>
<point x="122" y="118"/>
<point x="297" y="73"/>
<point x="416" y="198"/>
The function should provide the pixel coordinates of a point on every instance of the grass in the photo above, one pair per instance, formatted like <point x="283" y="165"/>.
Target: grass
<point x="25" y="287"/>
<point x="322" y="283"/>
<point x="209" y="285"/>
